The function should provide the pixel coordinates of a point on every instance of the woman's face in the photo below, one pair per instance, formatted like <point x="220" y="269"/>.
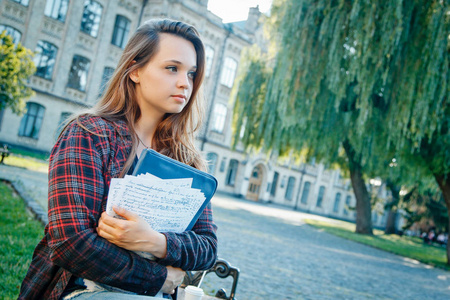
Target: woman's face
<point x="164" y="84"/>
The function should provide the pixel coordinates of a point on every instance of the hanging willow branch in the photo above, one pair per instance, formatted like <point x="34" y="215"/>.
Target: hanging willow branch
<point x="357" y="70"/>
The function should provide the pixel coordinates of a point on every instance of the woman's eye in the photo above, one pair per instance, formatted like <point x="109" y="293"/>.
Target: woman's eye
<point x="172" y="68"/>
<point x="192" y="74"/>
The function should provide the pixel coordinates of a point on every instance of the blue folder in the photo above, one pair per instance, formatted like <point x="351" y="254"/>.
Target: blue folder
<point x="165" y="167"/>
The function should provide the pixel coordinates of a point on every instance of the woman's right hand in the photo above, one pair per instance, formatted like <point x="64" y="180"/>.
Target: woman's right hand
<point x="132" y="233"/>
<point x="174" y="279"/>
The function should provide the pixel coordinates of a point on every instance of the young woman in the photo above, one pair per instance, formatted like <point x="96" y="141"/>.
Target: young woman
<point x="152" y="101"/>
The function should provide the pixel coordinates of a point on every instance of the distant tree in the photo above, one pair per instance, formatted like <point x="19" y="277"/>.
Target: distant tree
<point x="354" y="75"/>
<point x="16" y="66"/>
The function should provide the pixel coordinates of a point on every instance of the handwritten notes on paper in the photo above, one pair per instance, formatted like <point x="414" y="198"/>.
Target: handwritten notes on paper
<point x="168" y="205"/>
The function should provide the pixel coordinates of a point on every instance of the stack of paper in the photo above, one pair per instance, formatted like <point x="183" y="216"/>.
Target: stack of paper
<point x="168" y="205"/>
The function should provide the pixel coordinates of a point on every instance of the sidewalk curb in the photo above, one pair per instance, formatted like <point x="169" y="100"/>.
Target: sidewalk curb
<point x="31" y="203"/>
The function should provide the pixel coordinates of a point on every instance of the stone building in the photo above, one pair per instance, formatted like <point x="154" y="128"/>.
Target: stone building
<point x="78" y="44"/>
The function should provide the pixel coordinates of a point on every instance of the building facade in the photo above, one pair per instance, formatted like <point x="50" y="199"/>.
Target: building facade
<point x="77" y="46"/>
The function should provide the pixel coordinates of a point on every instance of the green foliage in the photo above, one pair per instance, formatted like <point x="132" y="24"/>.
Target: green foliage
<point x="355" y="70"/>
<point x="372" y="76"/>
<point x="19" y="234"/>
<point x="425" y="209"/>
<point x="16" y="66"/>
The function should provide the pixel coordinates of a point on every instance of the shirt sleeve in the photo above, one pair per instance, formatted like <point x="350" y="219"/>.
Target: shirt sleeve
<point x="195" y="249"/>
<point x="78" y="178"/>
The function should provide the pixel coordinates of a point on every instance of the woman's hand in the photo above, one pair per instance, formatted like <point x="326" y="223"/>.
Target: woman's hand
<point x="174" y="278"/>
<point x="133" y="233"/>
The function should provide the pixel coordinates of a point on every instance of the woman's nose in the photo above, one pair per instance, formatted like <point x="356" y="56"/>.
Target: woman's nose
<point x="183" y="81"/>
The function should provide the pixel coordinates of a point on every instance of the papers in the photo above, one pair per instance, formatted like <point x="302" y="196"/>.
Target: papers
<point x="168" y="205"/>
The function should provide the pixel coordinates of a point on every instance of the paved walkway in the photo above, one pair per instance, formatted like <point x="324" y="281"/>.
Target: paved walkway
<point x="282" y="258"/>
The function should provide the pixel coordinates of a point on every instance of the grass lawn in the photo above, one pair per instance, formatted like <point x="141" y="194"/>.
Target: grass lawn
<point x="19" y="235"/>
<point x="412" y="247"/>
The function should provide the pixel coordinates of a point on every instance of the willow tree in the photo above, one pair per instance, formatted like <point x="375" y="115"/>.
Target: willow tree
<point x="354" y="75"/>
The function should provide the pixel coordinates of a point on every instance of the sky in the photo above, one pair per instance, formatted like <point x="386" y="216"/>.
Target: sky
<point x="236" y="10"/>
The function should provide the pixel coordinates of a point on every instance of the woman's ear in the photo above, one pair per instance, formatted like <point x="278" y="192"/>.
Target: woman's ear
<point x="134" y="76"/>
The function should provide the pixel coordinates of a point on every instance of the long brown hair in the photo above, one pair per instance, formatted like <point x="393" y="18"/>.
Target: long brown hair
<point x="174" y="136"/>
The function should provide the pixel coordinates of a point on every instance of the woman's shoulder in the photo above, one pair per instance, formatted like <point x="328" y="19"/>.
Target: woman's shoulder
<point x="99" y="125"/>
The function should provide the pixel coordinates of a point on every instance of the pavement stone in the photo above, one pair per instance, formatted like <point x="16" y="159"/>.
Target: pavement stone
<point x="280" y="257"/>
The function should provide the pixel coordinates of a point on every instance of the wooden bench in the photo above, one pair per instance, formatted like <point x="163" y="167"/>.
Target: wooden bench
<point x="4" y="152"/>
<point x="222" y="269"/>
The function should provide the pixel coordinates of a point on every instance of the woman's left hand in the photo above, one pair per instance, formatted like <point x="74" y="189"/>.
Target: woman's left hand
<point x="133" y="233"/>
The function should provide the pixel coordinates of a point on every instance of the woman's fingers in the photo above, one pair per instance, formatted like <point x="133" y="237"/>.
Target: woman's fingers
<point x="127" y="215"/>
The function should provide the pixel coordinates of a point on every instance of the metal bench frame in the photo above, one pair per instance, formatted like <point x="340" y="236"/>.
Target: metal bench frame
<point x="222" y="269"/>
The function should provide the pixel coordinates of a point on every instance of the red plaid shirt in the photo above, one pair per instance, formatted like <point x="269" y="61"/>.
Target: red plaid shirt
<point x="82" y="163"/>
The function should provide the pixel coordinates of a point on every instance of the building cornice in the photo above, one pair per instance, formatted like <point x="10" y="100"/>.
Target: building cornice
<point x="62" y="98"/>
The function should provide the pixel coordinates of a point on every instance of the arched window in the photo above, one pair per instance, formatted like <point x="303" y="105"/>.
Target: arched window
<point x="305" y="192"/>
<point x="212" y="162"/>
<point x="30" y="126"/>
<point x="45" y="59"/>
<point x="220" y="116"/>
<point x="16" y="34"/>
<point x="337" y="201"/>
<point x="232" y="171"/>
<point x="92" y="14"/>
<point x="290" y="188"/>
<point x="320" y="196"/>
<point x="121" y="30"/>
<point x="228" y="72"/>
<point x="273" y="188"/>
<point x="57" y="9"/>
<point x="79" y="73"/>
<point x="62" y="121"/>
<point x="209" y="53"/>
<point x="107" y="73"/>
<point x="348" y="199"/>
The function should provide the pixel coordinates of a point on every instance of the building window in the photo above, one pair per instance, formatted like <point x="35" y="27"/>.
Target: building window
<point x="320" y="196"/>
<point x="107" y="73"/>
<point x="232" y="171"/>
<point x="2" y="112"/>
<point x="209" y="53"/>
<point x="78" y="73"/>
<point x="347" y="204"/>
<point x="45" y="59"/>
<point x="11" y="31"/>
<point x="62" y="121"/>
<point x="337" y="201"/>
<point x="283" y="182"/>
<point x="273" y="189"/>
<point x="211" y="158"/>
<point x="305" y="192"/>
<point x="32" y="120"/>
<point x="92" y="14"/>
<point x="220" y="115"/>
<point x="23" y="2"/>
<point x="290" y="188"/>
<point x="121" y="30"/>
<point x="56" y="9"/>
<point x="228" y="72"/>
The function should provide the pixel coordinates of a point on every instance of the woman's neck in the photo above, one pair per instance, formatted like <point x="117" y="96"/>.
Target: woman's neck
<point x="145" y="129"/>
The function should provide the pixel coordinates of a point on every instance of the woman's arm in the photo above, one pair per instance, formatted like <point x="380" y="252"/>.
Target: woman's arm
<point x="195" y="249"/>
<point x="78" y="177"/>
<point x="192" y="250"/>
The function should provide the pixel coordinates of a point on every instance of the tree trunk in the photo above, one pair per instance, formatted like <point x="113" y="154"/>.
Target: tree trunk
<point x="443" y="180"/>
<point x="391" y="222"/>
<point x="392" y="212"/>
<point x="363" y="206"/>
